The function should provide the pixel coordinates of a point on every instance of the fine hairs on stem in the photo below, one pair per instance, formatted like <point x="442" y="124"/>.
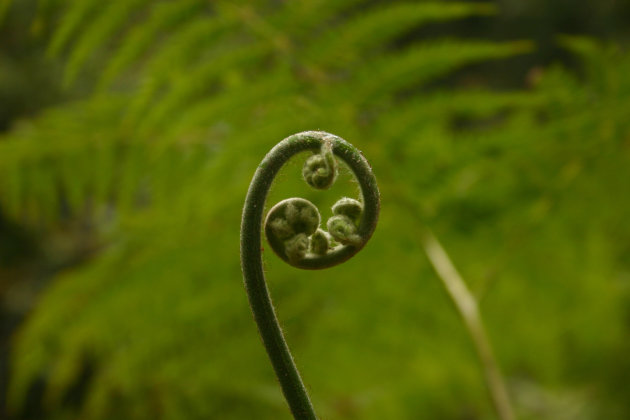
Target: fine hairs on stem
<point x="293" y="232"/>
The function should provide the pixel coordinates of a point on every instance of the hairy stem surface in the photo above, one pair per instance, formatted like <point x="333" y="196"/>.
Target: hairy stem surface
<point x="251" y="255"/>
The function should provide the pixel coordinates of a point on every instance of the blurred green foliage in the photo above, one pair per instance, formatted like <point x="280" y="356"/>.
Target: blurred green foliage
<point x="527" y="189"/>
<point x="27" y="77"/>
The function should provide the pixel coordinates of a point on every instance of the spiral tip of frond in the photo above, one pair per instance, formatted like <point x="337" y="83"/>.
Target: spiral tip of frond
<point x="291" y="222"/>
<point x="292" y="226"/>
<point x="344" y="230"/>
<point x="320" y="242"/>
<point x="348" y="207"/>
<point x="296" y="247"/>
<point x="320" y="170"/>
<point x="303" y="216"/>
<point x="293" y="233"/>
<point x="281" y="228"/>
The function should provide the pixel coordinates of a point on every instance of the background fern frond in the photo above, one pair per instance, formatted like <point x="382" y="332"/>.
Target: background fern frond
<point x="148" y="159"/>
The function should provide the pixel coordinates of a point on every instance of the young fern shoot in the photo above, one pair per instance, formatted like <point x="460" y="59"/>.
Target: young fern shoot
<point x="293" y="231"/>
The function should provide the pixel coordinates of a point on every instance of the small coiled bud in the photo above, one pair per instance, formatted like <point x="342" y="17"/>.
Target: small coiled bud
<point x="348" y="207"/>
<point x="296" y="247"/>
<point x="320" y="170"/>
<point x="289" y="225"/>
<point x="292" y="216"/>
<point x="320" y="242"/>
<point x="281" y="228"/>
<point x="344" y="230"/>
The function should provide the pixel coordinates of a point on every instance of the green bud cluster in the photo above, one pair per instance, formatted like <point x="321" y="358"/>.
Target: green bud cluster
<point x="292" y="221"/>
<point x="343" y="225"/>
<point x="320" y="170"/>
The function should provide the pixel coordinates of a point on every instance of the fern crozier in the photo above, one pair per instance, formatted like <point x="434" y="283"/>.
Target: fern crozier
<point x="293" y="232"/>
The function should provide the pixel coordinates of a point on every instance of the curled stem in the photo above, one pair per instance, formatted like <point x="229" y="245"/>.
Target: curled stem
<point x="290" y="227"/>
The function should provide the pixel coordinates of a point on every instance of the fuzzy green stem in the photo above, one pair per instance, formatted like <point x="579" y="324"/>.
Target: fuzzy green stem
<point x="251" y="255"/>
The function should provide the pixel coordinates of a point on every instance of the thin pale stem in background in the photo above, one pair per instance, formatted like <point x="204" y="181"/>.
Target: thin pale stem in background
<point x="467" y="307"/>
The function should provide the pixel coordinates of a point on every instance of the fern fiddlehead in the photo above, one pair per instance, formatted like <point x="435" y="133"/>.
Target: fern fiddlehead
<point x="292" y="230"/>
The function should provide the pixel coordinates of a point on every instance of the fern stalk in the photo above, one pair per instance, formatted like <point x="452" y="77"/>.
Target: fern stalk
<point x="468" y="309"/>
<point x="287" y="226"/>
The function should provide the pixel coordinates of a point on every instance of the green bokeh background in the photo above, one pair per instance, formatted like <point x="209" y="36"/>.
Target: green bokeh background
<point x="131" y="131"/>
